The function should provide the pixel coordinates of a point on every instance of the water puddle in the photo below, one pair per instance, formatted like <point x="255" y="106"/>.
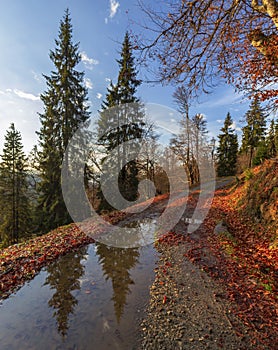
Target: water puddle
<point x="89" y="299"/>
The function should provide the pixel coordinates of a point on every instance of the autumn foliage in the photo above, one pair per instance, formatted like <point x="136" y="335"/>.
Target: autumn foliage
<point x="21" y="262"/>
<point x="247" y="264"/>
<point x="245" y="258"/>
<point x="196" y="41"/>
<point x="247" y="269"/>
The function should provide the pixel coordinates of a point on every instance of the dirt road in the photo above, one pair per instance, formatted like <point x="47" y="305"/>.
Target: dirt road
<point x="187" y="308"/>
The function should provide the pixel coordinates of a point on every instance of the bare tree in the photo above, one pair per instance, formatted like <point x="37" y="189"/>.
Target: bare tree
<point x="197" y="41"/>
<point x="181" y="98"/>
<point x="188" y="145"/>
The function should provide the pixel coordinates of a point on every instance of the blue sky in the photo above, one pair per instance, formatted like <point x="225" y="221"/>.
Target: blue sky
<point x="27" y="33"/>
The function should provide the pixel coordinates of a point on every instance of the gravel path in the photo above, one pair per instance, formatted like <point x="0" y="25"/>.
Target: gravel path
<point x="187" y="308"/>
<point x="194" y="314"/>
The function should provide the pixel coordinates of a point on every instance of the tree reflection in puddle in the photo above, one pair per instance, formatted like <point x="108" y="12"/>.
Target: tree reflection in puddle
<point x="64" y="277"/>
<point x="90" y="298"/>
<point x="116" y="263"/>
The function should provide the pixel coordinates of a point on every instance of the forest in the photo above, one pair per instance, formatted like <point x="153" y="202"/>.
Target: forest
<point x="31" y="195"/>
<point x="215" y="258"/>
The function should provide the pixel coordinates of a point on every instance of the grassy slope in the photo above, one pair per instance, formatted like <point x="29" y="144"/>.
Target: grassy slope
<point x="259" y="197"/>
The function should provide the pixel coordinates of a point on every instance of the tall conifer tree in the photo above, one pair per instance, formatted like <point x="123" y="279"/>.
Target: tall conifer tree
<point x="253" y="134"/>
<point x="14" y="203"/>
<point x="121" y="120"/>
<point x="272" y="140"/>
<point x="227" y="149"/>
<point x="65" y="110"/>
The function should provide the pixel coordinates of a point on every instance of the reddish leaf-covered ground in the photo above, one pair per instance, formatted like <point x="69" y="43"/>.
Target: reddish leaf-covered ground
<point x="243" y="260"/>
<point x="21" y="262"/>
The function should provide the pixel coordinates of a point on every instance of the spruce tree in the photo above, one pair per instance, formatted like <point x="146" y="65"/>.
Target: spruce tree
<point x="227" y="149"/>
<point x="254" y="132"/>
<point x="121" y="120"/>
<point x="14" y="203"/>
<point x="272" y="140"/>
<point x="64" y="112"/>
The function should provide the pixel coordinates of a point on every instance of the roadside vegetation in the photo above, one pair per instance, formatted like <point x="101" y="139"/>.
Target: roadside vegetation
<point x="237" y="244"/>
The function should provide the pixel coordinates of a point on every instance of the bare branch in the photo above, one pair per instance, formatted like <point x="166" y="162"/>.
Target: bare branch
<point x="197" y="42"/>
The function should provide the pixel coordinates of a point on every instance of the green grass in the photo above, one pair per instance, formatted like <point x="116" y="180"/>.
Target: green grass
<point x="267" y="287"/>
<point x="248" y="173"/>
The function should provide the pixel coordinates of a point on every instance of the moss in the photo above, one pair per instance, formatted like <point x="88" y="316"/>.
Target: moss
<point x="262" y="192"/>
<point x="248" y="173"/>
<point x="267" y="287"/>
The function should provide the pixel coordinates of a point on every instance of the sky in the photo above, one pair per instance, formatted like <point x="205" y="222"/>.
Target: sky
<point x="27" y="34"/>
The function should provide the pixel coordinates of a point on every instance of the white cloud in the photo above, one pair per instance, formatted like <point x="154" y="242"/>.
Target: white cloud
<point x="99" y="95"/>
<point x="36" y="76"/>
<point x="235" y="127"/>
<point x="88" y="62"/>
<point x="108" y="80"/>
<point x="22" y="109"/>
<point x="6" y="92"/>
<point x="114" y="5"/>
<point x="228" y="98"/>
<point x="25" y="95"/>
<point x="220" y="121"/>
<point x="88" y="83"/>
